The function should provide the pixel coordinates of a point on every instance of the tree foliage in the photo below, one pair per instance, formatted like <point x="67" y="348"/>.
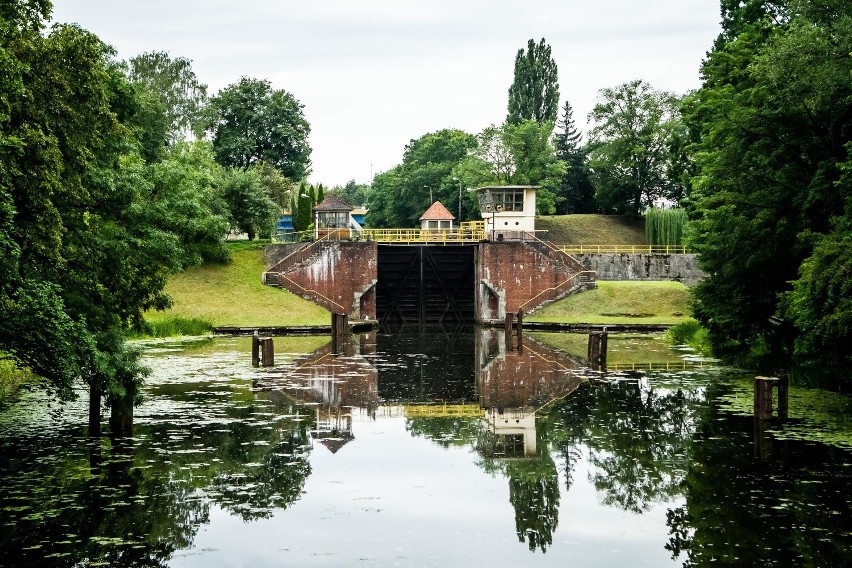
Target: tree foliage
<point x="534" y="93"/>
<point x="250" y="209"/>
<point x="87" y="230"/>
<point x="629" y="147"/>
<point x="251" y="122"/>
<point x="665" y="226"/>
<point x="400" y="196"/>
<point x="174" y="84"/>
<point x="576" y="193"/>
<point x="773" y="120"/>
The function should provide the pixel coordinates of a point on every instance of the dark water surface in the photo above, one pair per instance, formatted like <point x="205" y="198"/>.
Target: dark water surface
<point x="429" y="449"/>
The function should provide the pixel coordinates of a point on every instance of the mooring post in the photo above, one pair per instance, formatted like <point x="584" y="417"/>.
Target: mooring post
<point x="763" y="397"/>
<point x="594" y="350"/>
<point x="339" y="330"/>
<point x="94" y="411"/>
<point x="520" y="327"/>
<point x="255" y="349"/>
<point x="604" y="341"/>
<point x="509" y="318"/>
<point x="267" y="352"/>
<point x="783" y="395"/>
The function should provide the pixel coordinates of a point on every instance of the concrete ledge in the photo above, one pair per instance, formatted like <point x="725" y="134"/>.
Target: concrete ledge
<point x="276" y="330"/>
<point x="585" y="327"/>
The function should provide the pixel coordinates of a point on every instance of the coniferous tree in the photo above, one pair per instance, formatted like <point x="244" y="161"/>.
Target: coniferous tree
<point x="576" y="186"/>
<point x="534" y="93"/>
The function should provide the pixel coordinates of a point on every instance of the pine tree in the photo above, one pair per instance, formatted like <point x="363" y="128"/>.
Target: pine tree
<point x="534" y="93"/>
<point x="576" y="187"/>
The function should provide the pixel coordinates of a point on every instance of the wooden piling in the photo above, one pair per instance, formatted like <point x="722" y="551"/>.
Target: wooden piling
<point x="520" y="327"/>
<point x="339" y="331"/>
<point x="509" y="317"/>
<point x="597" y="350"/>
<point x="763" y="397"/>
<point x="94" y="412"/>
<point x="783" y="395"/>
<point x="267" y="352"/>
<point x="255" y="349"/>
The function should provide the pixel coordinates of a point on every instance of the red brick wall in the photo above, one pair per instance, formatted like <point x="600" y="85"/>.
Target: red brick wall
<point x="518" y="272"/>
<point x="340" y="278"/>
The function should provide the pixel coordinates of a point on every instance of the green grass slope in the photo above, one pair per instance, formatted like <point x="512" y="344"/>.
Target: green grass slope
<point x="232" y="295"/>
<point x="593" y="229"/>
<point x="621" y="302"/>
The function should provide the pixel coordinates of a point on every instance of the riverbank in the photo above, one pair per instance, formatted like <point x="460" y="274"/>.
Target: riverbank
<point x="11" y="378"/>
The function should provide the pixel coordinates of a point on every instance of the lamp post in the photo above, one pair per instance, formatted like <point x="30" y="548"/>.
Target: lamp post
<point x="460" y="198"/>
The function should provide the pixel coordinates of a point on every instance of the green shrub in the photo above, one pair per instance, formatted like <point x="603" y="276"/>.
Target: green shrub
<point x="690" y="333"/>
<point x="11" y="377"/>
<point x="175" y="326"/>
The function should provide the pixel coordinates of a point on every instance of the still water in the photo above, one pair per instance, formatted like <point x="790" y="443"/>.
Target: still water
<point x="430" y="449"/>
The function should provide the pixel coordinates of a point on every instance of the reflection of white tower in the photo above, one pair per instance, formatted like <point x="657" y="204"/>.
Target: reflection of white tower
<point x="511" y="432"/>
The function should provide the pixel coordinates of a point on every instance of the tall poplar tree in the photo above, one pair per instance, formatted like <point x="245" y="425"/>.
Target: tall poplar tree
<point x="534" y="93"/>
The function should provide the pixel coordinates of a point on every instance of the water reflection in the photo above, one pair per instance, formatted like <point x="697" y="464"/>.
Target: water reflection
<point x="521" y="440"/>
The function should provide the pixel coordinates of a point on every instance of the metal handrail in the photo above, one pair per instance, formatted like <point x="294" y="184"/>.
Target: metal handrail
<point x="558" y="286"/>
<point x="315" y="292"/>
<point x="460" y="235"/>
<point x="624" y="249"/>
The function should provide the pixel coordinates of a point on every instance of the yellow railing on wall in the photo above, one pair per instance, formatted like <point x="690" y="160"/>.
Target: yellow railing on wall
<point x="438" y="236"/>
<point x="624" y="249"/>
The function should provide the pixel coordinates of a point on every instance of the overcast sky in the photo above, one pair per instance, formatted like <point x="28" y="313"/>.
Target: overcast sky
<point x="374" y="74"/>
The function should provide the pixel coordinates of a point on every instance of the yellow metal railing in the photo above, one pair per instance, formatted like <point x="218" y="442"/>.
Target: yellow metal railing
<point x="624" y="249"/>
<point x="441" y="410"/>
<point x="438" y="236"/>
<point x="664" y="366"/>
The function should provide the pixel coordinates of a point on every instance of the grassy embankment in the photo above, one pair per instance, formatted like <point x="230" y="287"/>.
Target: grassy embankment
<point x="593" y="229"/>
<point x="231" y="295"/>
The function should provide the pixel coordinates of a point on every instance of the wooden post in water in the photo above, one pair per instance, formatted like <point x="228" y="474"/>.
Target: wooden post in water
<point x="94" y="411"/>
<point x="783" y="395"/>
<point x="594" y="350"/>
<point x="520" y="327"/>
<point x="597" y="349"/>
<point x="255" y="349"/>
<point x="121" y="416"/>
<point x="763" y="397"/>
<point x="339" y="331"/>
<point x="267" y="352"/>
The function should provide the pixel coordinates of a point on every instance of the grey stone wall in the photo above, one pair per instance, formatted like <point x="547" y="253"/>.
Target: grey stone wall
<point x="677" y="267"/>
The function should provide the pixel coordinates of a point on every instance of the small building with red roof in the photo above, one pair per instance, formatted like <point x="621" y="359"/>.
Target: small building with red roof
<point x="437" y="217"/>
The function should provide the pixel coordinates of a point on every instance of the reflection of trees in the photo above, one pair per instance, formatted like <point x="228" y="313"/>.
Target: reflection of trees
<point x="793" y="509"/>
<point x="638" y="440"/>
<point x="534" y="493"/>
<point x="126" y="515"/>
<point x="445" y="431"/>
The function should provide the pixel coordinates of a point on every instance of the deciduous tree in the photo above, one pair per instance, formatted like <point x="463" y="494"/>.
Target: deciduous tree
<point x="251" y="122"/>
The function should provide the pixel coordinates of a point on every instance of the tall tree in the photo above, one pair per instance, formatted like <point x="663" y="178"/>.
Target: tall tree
<point x="575" y="188"/>
<point x="174" y="83"/>
<point x="86" y="247"/>
<point x="629" y="148"/>
<point x="773" y="121"/>
<point x="251" y="123"/>
<point x="534" y="93"/>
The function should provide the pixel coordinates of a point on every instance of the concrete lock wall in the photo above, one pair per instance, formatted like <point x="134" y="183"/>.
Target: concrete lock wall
<point x="678" y="267"/>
